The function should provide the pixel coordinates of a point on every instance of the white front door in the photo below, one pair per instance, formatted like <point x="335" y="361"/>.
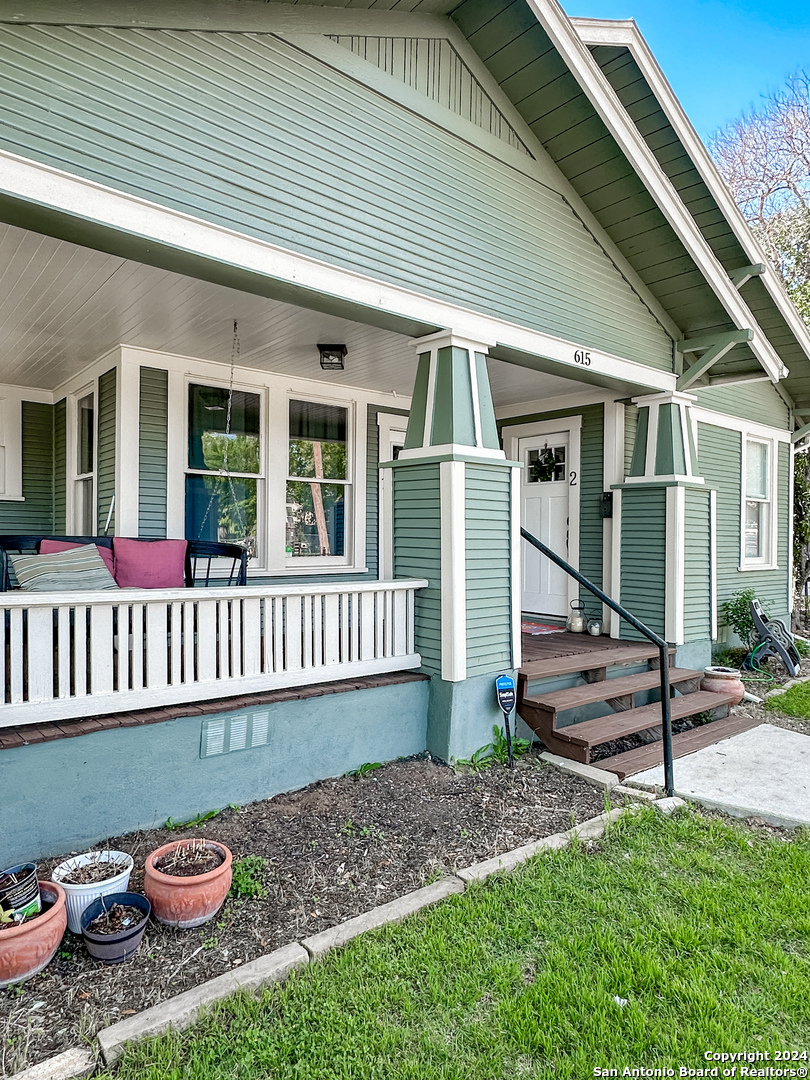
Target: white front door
<point x="544" y="513"/>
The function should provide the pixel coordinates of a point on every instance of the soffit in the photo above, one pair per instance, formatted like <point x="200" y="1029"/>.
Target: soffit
<point x="642" y="105"/>
<point x="522" y="59"/>
<point x="62" y="306"/>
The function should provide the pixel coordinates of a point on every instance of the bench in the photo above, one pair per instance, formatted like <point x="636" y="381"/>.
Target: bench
<point x="775" y="640"/>
<point x="199" y="561"/>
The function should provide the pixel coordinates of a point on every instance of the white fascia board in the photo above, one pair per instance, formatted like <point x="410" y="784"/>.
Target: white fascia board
<point x="626" y="34"/>
<point x="589" y="75"/>
<point x="84" y="199"/>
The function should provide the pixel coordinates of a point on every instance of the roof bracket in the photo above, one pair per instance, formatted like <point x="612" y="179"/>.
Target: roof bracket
<point x="739" y="277"/>
<point x="802" y="433"/>
<point x="713" y="347"/>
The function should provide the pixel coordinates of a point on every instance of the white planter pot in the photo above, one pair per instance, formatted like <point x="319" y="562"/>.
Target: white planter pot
<point x="81" y="896"/>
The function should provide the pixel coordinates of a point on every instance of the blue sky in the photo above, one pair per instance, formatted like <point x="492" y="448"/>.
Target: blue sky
<point x="720" y="56"/>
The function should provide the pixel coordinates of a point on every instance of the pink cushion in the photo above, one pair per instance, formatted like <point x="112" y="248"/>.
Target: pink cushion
<point x="48" y="547"/>
<point x="149" y="564"/>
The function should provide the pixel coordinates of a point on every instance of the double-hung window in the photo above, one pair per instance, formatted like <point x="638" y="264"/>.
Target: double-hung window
<point x="317" y="481"/>
<point x="757" y="503"/>
<point x="224" y="479"/>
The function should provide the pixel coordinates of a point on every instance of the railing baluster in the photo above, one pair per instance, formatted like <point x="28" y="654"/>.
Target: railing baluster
<point x="157" y="660"/>
<point x="252" y="642"/>
<point x="101" y="648"/>
<point x="366" y="626"/>
<point x="40" y="654"/>
<point x="331" y="628"/>
<point x="79" y="651"/>
<point x="206" y="640"/>
<point x="122" y="655"/>
<point x="63" y="657"/>
<point x="136" y="652"/>
<point x="293" y="633"/>
<point x="176" y="642"/>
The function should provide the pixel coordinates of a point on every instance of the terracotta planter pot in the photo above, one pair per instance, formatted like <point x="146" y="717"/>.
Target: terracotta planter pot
<point x="187" y="901"/>
<point x="723" y="680"/>
<point x="28" y="948"/>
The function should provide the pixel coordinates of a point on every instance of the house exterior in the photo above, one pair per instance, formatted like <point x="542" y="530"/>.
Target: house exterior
<point x="553" y="316"/>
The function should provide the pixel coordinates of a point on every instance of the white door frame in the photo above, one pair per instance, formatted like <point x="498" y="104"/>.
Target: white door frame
<point x="573" y="426"/>
<point x="388" y="425"/>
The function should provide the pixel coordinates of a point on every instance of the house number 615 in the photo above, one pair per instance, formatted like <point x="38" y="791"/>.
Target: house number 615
<point x="582" y="357"/>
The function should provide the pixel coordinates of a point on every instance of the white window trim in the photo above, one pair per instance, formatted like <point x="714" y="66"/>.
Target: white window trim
<point x="354" y="529"/>
<point x="260" y="477"/>
<point x="769" y="560"/>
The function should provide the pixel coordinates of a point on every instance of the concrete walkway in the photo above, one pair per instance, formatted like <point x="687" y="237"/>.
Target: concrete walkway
<point x="764" y="772"/>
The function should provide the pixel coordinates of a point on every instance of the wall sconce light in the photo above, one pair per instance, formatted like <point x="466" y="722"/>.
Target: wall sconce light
<point x="332" y="357"/>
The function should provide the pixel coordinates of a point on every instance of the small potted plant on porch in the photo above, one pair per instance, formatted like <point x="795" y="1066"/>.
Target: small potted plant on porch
<point x="187" y="881"/>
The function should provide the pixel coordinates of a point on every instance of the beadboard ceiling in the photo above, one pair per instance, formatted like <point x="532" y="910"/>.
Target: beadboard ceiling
<point x="63" y="306"/>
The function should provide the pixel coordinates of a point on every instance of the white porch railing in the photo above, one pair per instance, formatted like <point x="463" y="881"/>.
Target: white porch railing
<point x="66" y="655"/>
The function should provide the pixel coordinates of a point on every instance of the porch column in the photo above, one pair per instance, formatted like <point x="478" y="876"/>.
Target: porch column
<point x="454" y="515"/>
<point x="665" y="517"/>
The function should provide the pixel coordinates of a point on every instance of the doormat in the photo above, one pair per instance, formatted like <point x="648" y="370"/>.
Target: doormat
<point x="529" y="626"/>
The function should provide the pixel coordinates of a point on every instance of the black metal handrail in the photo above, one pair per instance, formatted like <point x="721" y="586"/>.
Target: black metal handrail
<point x="666" y="716"/>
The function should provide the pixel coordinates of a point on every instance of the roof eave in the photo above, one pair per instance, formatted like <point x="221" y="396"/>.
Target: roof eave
<point x="626" y="34"/>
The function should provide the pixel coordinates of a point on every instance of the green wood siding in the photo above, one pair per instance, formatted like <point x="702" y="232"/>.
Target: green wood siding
<point x="753" y="401"/>
<point x="417" y="552"/>
<point x="643" y="562"/>
<point x="60" y="467"/>
<point x="720" y="459"/>
<point x="105" y="457"/>
<point x="433" y="67"/>
<point x="488" y="568"/>
<point x="590" y="488"/>
<point x="246" y="131"/>
<point x="153" y="452"/>
<point x="697" y="585"/>
<point x="35" y="514"/>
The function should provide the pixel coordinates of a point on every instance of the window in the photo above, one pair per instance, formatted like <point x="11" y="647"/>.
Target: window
<point x="757" y="503"/>
<point x="84" y="499"/>
<point x="317" y="480"/>
<point x="224" y="474"/>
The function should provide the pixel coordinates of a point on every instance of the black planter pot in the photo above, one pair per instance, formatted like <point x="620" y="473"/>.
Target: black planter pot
<point x="115" y="948"/>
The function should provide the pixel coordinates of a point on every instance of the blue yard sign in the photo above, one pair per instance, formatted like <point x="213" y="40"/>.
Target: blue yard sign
<point x="507" y="699"/>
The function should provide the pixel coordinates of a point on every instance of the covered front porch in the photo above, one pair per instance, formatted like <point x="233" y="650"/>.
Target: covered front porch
<point x="125" y="388"/>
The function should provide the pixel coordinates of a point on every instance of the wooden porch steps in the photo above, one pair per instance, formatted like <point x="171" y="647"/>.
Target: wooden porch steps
<point x="585" y="736"/>
<point x="626" y="686"/>
<point x="568" y="656"/>
<point x="590" y="660"/>
<point x="647" y="757"/>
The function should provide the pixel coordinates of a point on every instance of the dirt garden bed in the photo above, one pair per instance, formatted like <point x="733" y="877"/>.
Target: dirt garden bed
<point x="331" y="851"/>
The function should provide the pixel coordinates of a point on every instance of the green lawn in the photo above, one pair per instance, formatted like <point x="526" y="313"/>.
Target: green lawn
<point x="702" y="928"/>
<point x="794" y="702"/>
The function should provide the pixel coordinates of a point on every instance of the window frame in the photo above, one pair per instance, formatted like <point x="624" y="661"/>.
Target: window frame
<point x="350" y="525"/>
<point x="768" y="559"/>
<point x="260" y="561"/>
<point x="74" y="524"/>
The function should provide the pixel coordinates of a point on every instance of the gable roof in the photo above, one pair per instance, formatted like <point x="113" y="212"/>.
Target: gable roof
<point x="627" y="62"/>
<point x="539" y="59"/>
<point x="610" y="138"/>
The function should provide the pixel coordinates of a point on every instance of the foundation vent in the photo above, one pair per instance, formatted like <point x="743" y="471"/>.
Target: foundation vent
<point x="239" y="731"/>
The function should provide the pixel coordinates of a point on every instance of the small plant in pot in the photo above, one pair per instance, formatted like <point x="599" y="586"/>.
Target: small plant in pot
<point x="113" y="926"/>
<point x="86" y="877"/>
<point x="187" y="881"/>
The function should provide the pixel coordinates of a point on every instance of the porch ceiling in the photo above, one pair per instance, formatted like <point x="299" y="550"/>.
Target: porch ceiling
<point x="62" y="306"/>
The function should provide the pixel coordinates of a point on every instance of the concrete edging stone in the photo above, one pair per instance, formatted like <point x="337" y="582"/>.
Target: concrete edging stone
<point x="600" y="778"/>
<point x="181" y="1011"/>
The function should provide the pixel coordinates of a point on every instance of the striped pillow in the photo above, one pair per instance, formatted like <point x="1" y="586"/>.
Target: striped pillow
<point x="78" y="569"/>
